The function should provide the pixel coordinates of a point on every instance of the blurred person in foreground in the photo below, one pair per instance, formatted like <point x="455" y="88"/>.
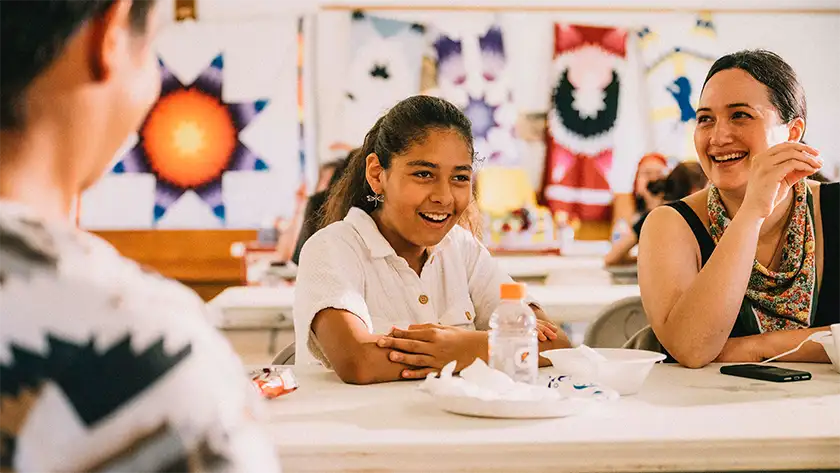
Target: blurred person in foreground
<point x="104" y="367"/>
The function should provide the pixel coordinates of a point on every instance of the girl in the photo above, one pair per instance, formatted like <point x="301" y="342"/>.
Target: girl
<point x="395" y="285"/>
<point x="744" y="270"/>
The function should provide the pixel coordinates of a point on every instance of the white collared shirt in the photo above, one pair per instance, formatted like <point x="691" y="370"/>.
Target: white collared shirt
<point x="349" y="265"/>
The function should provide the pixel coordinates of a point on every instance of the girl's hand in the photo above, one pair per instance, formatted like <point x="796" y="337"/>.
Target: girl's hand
<point x="546" y="330"/>
<point x="429" y="347"/>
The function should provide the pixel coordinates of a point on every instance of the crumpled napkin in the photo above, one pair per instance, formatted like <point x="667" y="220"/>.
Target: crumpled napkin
<point x="587" y="366"/>
<point x="482" y="382"/>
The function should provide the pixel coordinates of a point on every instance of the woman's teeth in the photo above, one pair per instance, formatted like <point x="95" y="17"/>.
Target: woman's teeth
<point x="434" y="217"/>
<point x="729" y="157"/>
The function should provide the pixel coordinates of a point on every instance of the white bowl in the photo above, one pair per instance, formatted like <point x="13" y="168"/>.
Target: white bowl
<point x="624" y="370"/>
<point x="831" y="345"/>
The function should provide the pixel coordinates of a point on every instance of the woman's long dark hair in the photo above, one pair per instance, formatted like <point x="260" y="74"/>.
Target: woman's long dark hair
<point x="404" y="125"/>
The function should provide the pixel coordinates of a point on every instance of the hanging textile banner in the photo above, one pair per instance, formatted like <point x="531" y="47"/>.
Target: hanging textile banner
<point x="676" y="56"/>
<point x="384" y="68"/>
<point x="472" y="73"/>
<point x="588" y="66"/>
<point x="214" y="150"/>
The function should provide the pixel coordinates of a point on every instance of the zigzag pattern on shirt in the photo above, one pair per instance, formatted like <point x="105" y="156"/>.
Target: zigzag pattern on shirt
<point x="96" y="384"/>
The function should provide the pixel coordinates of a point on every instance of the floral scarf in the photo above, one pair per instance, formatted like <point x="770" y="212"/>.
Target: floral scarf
<point x="783" y="299"/>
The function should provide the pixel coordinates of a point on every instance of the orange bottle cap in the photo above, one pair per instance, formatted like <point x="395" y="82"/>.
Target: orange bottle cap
<point x="512" y="291"/>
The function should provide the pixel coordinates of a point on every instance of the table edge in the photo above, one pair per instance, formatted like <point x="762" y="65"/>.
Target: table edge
<point x="819" y="453"/>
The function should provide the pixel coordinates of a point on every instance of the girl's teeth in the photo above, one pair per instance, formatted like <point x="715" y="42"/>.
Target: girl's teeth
<point x="435" y="217"/>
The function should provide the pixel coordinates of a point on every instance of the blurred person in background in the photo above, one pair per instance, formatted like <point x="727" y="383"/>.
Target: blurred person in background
<point x="315" y="205"/>
<point x="652" y="167"/>
<point x="686" y="179"/>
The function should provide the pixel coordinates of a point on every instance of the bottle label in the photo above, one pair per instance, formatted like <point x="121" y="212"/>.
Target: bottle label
<point x="523" y="357"/>
<point x="515" y="356"/>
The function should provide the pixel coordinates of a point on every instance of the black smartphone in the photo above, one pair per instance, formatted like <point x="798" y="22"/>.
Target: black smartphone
<point x="766" y="373"/>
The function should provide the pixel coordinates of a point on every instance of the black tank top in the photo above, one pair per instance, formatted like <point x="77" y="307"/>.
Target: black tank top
<point x="827" y="293"/>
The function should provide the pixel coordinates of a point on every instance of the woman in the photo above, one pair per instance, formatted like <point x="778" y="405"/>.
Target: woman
<point x="393" y="287"/>
<point x="652" y="167"/>
<point x="686" y="178"/>
<point x="747" y="269"/>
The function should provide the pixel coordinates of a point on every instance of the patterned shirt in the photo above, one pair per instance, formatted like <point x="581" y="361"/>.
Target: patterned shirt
<point x="107" y="367"/>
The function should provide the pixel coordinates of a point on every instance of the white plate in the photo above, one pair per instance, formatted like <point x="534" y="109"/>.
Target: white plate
<point x="504" y="409"/>
<point x="481" y="391"/>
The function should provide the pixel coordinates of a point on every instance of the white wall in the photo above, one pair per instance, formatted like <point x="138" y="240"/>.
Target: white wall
<point x="810" y="42"/>
<point x="263" y="8"/>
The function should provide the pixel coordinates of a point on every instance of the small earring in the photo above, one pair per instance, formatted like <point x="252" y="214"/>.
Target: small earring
<point x="376" y="199"/>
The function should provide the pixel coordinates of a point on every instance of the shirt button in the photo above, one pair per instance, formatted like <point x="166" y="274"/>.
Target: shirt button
<point x="423" y="298"/>
<point x="469" y="316"/>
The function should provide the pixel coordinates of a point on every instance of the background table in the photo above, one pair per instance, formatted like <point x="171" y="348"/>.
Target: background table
<point x="256" y="306"/>
<point x="528" y="267"/>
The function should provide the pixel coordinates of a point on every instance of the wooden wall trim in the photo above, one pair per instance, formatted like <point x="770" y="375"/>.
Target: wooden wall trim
<point x="199" y="258"/>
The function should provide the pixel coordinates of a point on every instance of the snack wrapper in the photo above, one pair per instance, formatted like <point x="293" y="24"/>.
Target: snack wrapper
<point x="273" y="381"/>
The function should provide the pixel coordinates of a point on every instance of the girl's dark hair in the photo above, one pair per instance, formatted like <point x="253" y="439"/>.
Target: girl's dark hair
<point x="786" y="93"/>
<point x="685" y="178"/>
<point x="406" y="124"/>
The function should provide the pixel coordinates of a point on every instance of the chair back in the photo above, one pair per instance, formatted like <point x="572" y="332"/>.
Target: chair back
<point x="616" y="324"/>
<point x="286" y="356"/>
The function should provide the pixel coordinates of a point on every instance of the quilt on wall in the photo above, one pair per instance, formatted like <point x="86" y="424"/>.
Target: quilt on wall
<point x="472" y="73"/>
<point x="588" y="66"/>
<point x="384" y="68"/>
<point x="676" y="56"/>
<point x="221" y="146"/>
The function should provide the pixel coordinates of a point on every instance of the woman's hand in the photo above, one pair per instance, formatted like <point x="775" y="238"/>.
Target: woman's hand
<point x="740" y="350"/>
<point x="429" y="347"/>
<point x="755" y="348"/>
<point x="774" y="172"/>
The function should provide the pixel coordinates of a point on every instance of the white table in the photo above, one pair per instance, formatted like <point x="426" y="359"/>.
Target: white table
<point x="541" y="266"/>
<point x="585" y="256"/>
<point x="257" y="321"/>
<point x="579" y="303"/>
<point x="682" y="420"/>
<point x="255" y="306"/>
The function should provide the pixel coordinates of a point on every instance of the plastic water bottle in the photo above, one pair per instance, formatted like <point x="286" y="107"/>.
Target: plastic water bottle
<point x="513" y="336"/>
